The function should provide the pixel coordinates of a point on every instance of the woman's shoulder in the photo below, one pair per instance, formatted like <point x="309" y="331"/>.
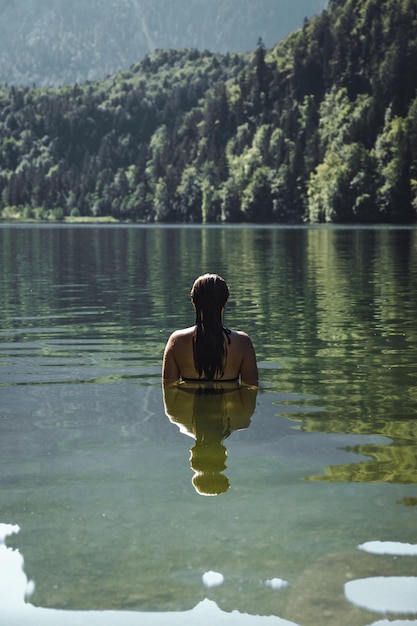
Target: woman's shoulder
<point x="241" y="341"/>
<point x="240" y="335"/>
<point x="181" y="333"/>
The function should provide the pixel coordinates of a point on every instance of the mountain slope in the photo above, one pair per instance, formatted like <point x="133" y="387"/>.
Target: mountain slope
<point x="56" y="42"/>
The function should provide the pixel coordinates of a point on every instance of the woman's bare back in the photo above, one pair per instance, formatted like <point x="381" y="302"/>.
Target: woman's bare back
<point x="240" y="360"/>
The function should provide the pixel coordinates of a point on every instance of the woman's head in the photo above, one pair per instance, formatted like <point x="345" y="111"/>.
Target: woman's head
<point x="209" y="294"/>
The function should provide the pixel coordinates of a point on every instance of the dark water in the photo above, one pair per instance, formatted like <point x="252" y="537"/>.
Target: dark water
<point x="107" y="491"/>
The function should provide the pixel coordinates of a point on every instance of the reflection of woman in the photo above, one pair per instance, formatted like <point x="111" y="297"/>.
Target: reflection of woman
<point x="209" y="413"/>
<point x="208" y="351"/>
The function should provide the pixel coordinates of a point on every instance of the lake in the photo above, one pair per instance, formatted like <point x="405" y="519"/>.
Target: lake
<point x="293" y="504"/>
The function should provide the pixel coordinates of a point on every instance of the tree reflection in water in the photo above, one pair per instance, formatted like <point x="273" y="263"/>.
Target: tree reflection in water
<point x="209" y="413"/>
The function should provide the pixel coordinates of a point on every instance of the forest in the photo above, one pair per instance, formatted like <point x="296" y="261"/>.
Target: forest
<point x="320" y="128"/>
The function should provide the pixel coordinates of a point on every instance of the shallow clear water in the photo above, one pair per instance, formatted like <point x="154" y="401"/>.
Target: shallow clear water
<point x="107" y="490"/>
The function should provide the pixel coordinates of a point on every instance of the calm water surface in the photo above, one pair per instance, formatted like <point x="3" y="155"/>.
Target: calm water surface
<point x="107" y="480"/>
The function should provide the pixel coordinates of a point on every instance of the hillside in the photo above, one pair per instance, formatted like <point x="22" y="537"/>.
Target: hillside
<point x="56" y="42"/>
<point x="320" y="128"/>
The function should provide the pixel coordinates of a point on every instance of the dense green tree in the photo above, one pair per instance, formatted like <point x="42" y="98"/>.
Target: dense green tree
<point x="342" y="188"/>
<point x="257" y="197"/>
<point x="189" y="195"/>
<point x="231" y="210"/>
<point x="162" y="203"/>
<point x="394" y="192"/>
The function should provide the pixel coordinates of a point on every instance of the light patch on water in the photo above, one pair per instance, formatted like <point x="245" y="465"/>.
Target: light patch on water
<point x="276" y="583"/>
<point x="393" y="548"/>
<point x="6" y="530"/>
<point x="15" y="588"/>
<point x="212" y="579"/>
<point x="390" y="594"/>
<point x="397" y="622"/>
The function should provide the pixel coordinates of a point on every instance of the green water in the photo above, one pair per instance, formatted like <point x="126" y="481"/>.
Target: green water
<point x="100" y="481"/>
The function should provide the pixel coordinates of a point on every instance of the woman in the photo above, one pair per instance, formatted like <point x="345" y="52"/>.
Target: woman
<point x="208" y="351"/>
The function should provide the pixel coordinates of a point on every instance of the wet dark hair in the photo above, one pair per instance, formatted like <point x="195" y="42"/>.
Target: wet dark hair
<point x="209" y="295"/>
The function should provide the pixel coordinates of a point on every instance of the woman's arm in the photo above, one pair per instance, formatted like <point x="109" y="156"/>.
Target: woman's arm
<point x="248" y="368"/>
<point x="170" y="369"/>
